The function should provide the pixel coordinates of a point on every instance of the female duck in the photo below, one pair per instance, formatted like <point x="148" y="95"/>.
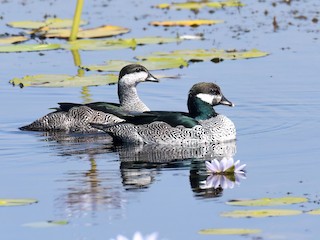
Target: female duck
<point x="73" y="117"/>
<point x="201" y="125"/>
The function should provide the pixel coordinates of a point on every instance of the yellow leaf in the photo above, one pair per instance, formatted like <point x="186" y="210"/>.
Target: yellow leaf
<point x="103" y="31"/>
<point x="152" y="63"/>
<point x="189" y="23"/>
<point x="268" y="201"/>
<point x="29" y="47"/>
<point x="211" y="54"/>
<point x="16" y="202"/>
<point x="229" y="231"/>
<point x="314" y="212"/>
<point x="198" y="5"/>
<point x="15" y="39"/>
<point x="64" y="80"/>
<point x="260" y="213"/>
<point x="50" y="22"/>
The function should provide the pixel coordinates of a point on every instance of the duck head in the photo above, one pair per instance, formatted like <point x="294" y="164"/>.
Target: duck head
<point x="133" y="74"/>
<point x="202" y="97"/>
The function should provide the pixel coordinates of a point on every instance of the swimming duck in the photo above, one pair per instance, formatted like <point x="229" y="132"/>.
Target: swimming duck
<point x="74" y="117"/>
<point x="200" y="125"/>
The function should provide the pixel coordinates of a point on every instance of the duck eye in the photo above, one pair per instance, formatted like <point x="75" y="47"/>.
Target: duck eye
<point x="214" y="91"/>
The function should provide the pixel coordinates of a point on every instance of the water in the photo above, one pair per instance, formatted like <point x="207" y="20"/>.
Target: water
<point x="103" y="190"/>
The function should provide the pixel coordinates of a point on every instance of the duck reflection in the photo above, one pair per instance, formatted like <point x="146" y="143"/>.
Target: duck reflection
<point x="140" y="165"/>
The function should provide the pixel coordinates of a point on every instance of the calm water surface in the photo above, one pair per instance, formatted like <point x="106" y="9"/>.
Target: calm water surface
<point x="102" y="190"/>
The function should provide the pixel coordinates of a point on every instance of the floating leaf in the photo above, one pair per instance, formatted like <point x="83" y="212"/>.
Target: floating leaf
<point x="46" y="224"/>
<point x="198" y="5"/>
<point x="156" y="40"/>
<point x="314" y="212"/>
<point x="29" y="47"/>
<point x="96" y="44"/>
<point x="103" y="31"/>
<point x="63" y="80"/>
<point x="151" y="63"/>
<point x="15" y="39"/>
<point x="189" y="23"/>
<point x="229" y="231"/>
<point x="50" y="22"/>
<point x="211" y="54"/>
<point x="268" y="201"/>
<point x="112" y="44"/>
<point x="16" y="202"/>
<point x="260" y="213"/>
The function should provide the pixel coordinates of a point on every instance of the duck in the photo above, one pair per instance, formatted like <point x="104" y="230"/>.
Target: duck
<point x="201" y="124"/>
<point x="75" y="117"/>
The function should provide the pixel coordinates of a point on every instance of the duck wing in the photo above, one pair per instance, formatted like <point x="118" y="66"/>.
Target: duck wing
<point x="98" y="106"/>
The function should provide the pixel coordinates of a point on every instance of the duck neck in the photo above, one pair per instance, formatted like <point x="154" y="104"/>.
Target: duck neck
<point x="129" y="99"/>
<point x="200" y="110"/>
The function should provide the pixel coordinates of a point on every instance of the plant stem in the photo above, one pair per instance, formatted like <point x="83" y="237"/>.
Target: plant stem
<point x="76" y="21"/>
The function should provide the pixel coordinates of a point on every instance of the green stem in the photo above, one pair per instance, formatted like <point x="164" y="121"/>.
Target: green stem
<point x="76" y="20"/>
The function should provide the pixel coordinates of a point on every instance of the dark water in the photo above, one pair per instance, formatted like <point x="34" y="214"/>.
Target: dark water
<point x="103" y="190"/>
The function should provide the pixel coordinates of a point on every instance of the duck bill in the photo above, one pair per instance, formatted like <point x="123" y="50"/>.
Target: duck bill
<point x="151" y="78"/>
<point x="226" y="102"/>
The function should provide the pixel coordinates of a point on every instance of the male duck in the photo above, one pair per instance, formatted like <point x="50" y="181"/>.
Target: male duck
<point x="201" y="125"/>
<point x="73" y="117"/>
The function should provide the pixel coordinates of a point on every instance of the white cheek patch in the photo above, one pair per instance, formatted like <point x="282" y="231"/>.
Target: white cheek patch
<point x="208" y="98"/>
<point x="136" y="76"/>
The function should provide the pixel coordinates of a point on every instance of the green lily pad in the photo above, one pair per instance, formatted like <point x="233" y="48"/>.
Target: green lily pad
<point x="28" y="47"/>
<point x="198" y="5"/>
<point x="96" y="44"/>
<point x="64" y="80"/>
<point x="206" y="55"/>
<point x="112" y="44"/>
<point x="268" y="201"/>
<point x="16" y="202"/>
<point x="229" y="231"/>
<point x="98" y="32"/>
<point x="50" y="22"/>
<point x="14" y="39"/>
<point x="314" y="212"/>
<point x="260" y="213"/>
<point x="46" y="224"/>
<point x="151" y="63"/>
<point x="186" y="23"/>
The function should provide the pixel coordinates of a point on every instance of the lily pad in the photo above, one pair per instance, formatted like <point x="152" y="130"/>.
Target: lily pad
<point x="16" y="202"/>
<point x="64" y="80"/>
<point x="260" y="213"/>
<point x="206" y="55"/>
<point x="268" y="201"/>
<point x="103" y="31"/>
<point x="14" y="39"/>
<point x="187" y="23"/>
<point x="229" y="231"/>
<point x="151" y="63"/>
<point x="198" y="5"/>
<point x="112" y="44"/>
<point x="314" y="212"/>
<point x="29" y="47"/>
<point x="96" y="44"/>
<point x="46" y="224"/>
<point x="50" y="22"/>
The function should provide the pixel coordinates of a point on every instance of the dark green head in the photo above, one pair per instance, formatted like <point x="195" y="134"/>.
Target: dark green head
<point x="202" y="97"/>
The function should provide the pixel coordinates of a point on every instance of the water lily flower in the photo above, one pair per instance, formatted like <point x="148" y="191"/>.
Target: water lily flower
<point x="226" y="165"/>
<point x="223" y="181"/>
<point x="138" y="236"/>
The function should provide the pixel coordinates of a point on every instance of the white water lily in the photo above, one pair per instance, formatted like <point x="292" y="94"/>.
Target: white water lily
<point x="226" y="165"/>
<point x="223" y="181"/>
<point x="138" y="236"/>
